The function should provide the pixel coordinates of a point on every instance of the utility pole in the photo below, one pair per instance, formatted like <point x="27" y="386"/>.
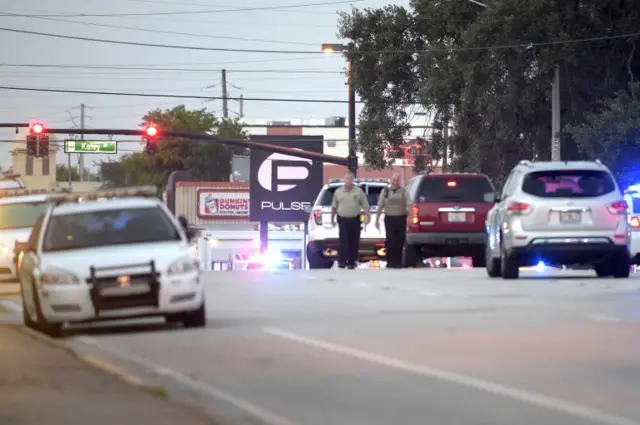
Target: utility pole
<point x="81" y="159"/>
<point x="555" y="116"/>
<point x="445" y="154"/>
<point x="241" y="106"/>
<point x="225" y="95"/>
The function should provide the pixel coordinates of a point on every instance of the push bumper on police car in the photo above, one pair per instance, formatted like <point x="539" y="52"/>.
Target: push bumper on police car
<point x="111" y="293"/>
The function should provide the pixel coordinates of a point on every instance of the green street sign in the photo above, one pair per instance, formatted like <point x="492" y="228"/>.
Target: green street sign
<point x="90" y="146"/>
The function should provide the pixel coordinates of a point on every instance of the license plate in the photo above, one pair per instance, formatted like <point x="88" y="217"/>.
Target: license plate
<point x="457" y="217"/>
<point x="134" y="289"/>
<point x="570" y="217"/>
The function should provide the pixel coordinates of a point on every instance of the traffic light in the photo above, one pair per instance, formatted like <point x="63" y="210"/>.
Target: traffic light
<point x="37" y="128"/>
<point x="43" y="145"/>
<point x="150" y="135"/>
<point x="352" y="163"/>
<point x="32" y="145"/>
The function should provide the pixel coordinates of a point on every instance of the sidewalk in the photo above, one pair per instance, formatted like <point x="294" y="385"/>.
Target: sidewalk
<point x="41" y="384"/>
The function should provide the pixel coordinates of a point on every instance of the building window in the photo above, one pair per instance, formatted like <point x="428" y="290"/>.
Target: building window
<point x="45" y="166"/>
<point x="29" y="166"/>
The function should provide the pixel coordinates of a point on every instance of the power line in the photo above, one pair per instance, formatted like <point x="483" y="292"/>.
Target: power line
<point x="166" y="95"/>
<point x="146" y="68"/>
<point x="177" y="12"/>
<point x="221" y="37"/>
<point x="309" y="52"/>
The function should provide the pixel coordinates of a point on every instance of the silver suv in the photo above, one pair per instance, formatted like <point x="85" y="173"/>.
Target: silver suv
<point x="559" y="213"/>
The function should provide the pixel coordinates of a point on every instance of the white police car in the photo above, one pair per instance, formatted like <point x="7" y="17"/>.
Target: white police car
<point x="19" y="210"/>
<point x="322" y="237"/>
<point x="109" y="255"/>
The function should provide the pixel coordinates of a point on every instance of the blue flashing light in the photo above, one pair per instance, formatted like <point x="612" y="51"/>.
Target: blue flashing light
<point x="540" y="267"/>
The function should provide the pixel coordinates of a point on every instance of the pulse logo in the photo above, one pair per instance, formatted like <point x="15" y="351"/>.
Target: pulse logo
<point x="279" y="172"/>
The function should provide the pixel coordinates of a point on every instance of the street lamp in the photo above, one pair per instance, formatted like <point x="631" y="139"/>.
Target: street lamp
<point x="331" y="48"/>
<point x="555" y="106"/>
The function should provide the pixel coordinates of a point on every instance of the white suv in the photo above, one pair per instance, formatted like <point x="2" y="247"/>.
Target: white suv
<point x="632" y="196"/>
<point x="322" y="238"/>
<point x="559" y="213"/>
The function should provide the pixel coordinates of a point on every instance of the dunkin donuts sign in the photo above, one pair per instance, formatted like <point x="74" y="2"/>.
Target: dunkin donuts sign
<point x="218" y="204"/>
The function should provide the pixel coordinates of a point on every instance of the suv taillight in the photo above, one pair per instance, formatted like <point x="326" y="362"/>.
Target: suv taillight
<point x="413" y="223"/>
<point x="316" y="215"/>
<point x="518" y="208"/>
<point x="618" y="207"/>
<point x="635" y="222"/>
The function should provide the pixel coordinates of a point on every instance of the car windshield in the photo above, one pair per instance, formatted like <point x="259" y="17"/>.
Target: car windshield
<point x="21" y="215"/>
<point x="568" y="184"/>
<point x="110" y="227"/>
<point x="372" y="192"/>
<point x="460" y="189"/>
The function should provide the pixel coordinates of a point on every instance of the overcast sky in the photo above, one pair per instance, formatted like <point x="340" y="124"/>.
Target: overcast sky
<point x="266" y="75"/>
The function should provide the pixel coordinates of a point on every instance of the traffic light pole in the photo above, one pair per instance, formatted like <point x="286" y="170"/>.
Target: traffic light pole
<point x="300" y="153"/>
<point x="353" y="157"/>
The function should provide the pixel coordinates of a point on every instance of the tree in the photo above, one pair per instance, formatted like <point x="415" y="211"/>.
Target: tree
<point x="62" y="174"/>
<point x="613" y="134"/>
<point x="497" y="99"/>
<point x="204" y="159"/>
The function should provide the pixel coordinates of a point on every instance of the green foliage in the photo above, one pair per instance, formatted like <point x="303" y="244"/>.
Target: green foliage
<point x="613" y="134"/>
<point x="206" y="160"/>
<point x="62" y="174"/>
<point x="498" y="100"/>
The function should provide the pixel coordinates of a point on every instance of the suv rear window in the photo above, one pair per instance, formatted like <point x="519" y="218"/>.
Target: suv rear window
<point x="568" y="184"/>
<point x="372" y="192"/>
<point x="444" y="189"/>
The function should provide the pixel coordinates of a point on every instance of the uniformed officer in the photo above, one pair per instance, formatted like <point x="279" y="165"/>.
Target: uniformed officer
<point x="394" y="202"/>
<point x="348" y="203"/>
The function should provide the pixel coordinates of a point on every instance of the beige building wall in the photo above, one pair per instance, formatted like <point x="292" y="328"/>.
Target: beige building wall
<point x="35" y="173"/>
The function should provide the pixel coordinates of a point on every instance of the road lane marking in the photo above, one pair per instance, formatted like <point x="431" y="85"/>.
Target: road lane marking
<point x="568" y="408"/>
<point x="429" y="294"/>
<point x="268" y="417"/>
<point x="602" y="318"/>
<point x="112" y="369"/>
<point x="362" y="284"/>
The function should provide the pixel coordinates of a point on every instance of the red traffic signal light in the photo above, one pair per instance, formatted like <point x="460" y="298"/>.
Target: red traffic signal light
<point x="151" y="131"/>
<point x="37" y="128"/>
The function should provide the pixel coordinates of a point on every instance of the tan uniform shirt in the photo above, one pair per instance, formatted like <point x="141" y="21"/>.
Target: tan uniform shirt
<point x="394" y="201"/>
<point x="351" y="203"/>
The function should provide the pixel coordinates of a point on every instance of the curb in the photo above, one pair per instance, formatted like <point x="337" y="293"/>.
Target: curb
<point x="127" y="378"/>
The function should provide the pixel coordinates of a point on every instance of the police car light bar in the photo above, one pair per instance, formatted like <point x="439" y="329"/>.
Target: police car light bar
<point x="6" y="193"/>
<point x="10" y="176"/>
<point x="128" y="192"/>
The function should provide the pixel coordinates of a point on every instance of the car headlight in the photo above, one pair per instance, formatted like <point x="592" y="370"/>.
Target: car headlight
<point x="183" y="265"/>
<point x="58" y="277"/>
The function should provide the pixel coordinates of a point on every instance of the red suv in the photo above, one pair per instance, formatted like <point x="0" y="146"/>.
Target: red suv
<point x="448" y="217"/>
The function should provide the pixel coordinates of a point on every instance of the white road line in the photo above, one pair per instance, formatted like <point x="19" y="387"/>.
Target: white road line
<point x="601" y="318"/>
<point x="309" y="277"/>
<point x="11" y="306"/>
<point x="568" y="408"/>
<point x="429" y="294"/>
<point x="361" y="284"/>
<point x="264" y="415"/>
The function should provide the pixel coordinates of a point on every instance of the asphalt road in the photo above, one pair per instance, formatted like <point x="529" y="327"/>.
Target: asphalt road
<point x="381" y="347"/>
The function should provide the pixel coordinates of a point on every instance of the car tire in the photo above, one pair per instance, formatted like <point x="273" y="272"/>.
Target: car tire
<point x="317" y="261"/>
<point x="492" y="264"/>
<point x="603" y="269"/>
<point x="621" y="266"/>
<point x="411" y="256"/>
<point x="196" y="318"/>
<point x="509" y="267"/>
<point x="54" y="330"/>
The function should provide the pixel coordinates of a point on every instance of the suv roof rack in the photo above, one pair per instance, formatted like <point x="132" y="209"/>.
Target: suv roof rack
<point x="8" y="193"/>
<point x="127" y="192"/>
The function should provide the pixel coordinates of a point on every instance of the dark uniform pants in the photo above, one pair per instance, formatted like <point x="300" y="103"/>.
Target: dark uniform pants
<point x="395" y="227"/>
<point x="349" y="230"/>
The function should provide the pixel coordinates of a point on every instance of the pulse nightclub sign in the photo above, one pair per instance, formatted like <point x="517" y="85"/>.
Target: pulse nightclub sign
<point x="282" y="186"/>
